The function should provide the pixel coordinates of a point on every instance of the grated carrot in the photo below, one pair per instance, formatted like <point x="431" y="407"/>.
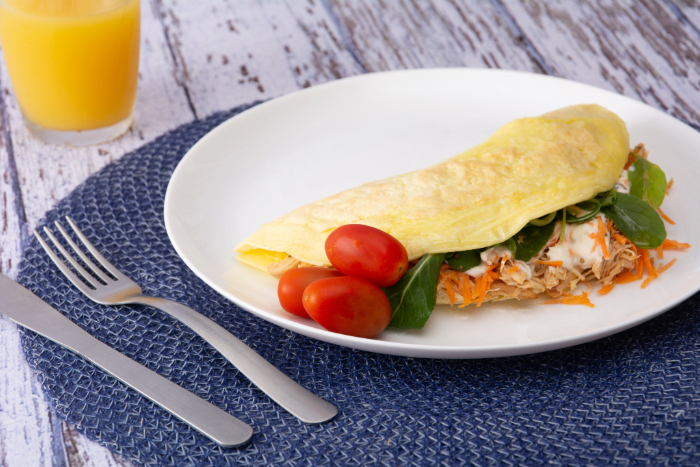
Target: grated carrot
<point x="464" y="286"/>
<point x="665" y="217"/>
<point x="550" y="263"/>
<point x="450" y="291"/>
<point x="578" y="300"/>
<point x="486" y="280"/>
<point x="599" y="238"/>
<point x="631" y="157"/>
<point x="479" y="298"/>
<point x="476" y="289"/>
<point x="653" y="274"/>
<point x="512" y="270"/>
<point x="606" y="289"/>
<point x="629" y="276"/>
<point x="669" y="185"/>
<point x="674" y="245"/>
<point x="620" y="238"/>
<point x="663" y="268"/>
<point x="569" y="299"/>
<point x="649" y="263"/>
<point x="660" y="251"/>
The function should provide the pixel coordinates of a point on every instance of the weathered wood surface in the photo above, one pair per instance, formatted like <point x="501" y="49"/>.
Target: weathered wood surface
<point x="641" y="49"/>
<point x="202" y="57"/>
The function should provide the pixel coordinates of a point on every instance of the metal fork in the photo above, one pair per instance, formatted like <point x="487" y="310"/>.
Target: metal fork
<point x="121" y="290"/>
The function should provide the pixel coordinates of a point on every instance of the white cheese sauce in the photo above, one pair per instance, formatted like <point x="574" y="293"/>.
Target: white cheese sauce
<point x="579" y="247"/>
<point x="490" y="256"/>
<point x="623" y="182"/>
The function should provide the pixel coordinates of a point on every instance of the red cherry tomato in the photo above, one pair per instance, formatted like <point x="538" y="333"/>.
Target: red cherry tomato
<point x="363" y="251"/>
<point x="348" y="305"/>
<point x="290" y="289"/>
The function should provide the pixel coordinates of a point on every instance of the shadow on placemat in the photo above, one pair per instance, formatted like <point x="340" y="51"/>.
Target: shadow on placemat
<point x="629" y="399"/>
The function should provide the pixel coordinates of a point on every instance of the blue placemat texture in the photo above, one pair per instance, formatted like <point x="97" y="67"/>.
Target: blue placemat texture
<point x="630" y="399"/>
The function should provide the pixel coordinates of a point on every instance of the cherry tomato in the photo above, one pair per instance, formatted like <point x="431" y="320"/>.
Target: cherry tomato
<point x="363" y="251"/>
<point x="348" y="305"/>
<point x="290" y="289"/>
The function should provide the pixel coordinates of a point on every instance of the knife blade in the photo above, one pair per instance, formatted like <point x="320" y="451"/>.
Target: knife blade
<point x="28" y="310"/>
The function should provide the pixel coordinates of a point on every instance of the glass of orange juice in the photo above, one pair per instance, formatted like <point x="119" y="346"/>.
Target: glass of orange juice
<point x="73" y="65"/>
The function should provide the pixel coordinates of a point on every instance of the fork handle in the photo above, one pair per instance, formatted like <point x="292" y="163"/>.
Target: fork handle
<point x="297" y="400"/>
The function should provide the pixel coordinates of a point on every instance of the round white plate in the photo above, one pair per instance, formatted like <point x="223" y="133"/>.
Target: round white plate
<point x="292" y="150"/>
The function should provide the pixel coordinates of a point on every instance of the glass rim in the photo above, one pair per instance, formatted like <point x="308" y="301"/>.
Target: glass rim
<point x="117" y="4"/>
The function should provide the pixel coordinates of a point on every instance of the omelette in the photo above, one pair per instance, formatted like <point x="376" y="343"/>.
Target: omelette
<point x="530" y="174"/>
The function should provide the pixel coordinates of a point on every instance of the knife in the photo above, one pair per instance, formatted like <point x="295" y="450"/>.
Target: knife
<point x="28" y="310"/>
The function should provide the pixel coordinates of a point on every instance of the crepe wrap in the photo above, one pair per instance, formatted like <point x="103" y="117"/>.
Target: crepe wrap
<point x="529" y="168"/>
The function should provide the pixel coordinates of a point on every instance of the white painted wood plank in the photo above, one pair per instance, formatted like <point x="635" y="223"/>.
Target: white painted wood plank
<point x="25" y="423"/>
<point x="639" y="49"/>
<point x="440" y="33"/>
<point x="82" y="452"/>
<point x="9" y="220"/>
<point x="690" y="9"/>
<point x="232" y="53"/>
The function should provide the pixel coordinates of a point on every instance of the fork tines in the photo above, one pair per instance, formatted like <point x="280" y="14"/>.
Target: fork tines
<point x="95" y="272"/>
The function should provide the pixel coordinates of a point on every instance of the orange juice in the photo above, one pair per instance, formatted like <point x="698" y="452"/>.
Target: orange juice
<point x="73" y="64"/>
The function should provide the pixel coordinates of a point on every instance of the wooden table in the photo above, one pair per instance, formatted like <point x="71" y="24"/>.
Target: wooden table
<point x="201" y="57"/>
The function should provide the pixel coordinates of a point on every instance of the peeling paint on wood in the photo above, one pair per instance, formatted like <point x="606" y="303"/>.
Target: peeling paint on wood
<point x="449" y="33"/>
<point x="270" y="48"/>
<point x="690" y="11"/>
<point x="82" y="452"/>
<point x="639" y="48"/>
<point x="25" y="425"/>
<point x="10" y="222"/>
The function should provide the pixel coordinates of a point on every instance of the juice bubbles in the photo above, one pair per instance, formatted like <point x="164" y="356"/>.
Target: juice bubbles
<point x="73" y="63"/>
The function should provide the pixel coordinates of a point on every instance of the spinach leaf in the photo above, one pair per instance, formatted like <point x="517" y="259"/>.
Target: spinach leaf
<point x="511" y="244"/>
<point x="463" y="260"/>
<point x="637" y="220"/>
<point x="413" y="297"/>
<point x="531" y="239"/>
<point x="544" y="220"/>
<point x="647" y="182"/>
<point x="592" y="206"/>
<point x="607" y="198"/>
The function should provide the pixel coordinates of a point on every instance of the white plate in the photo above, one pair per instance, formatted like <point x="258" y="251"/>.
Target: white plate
<point x="292" y="150"/>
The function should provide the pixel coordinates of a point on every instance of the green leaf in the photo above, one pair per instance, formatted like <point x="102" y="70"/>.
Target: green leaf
<point x="531" y="239"/>
<point x="511" y="244"/>
<point x="463" y="260"/>
<point x="413" y="297"/>
<point x="607" y="198"/>
<point x="647" y="182"/>
<point x="637" y="220"/>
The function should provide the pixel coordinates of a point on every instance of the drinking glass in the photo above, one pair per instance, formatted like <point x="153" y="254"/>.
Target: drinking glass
<point x="73" y="65"/>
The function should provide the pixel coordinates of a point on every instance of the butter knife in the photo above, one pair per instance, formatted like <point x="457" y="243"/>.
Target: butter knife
<point x="28" y="310"/>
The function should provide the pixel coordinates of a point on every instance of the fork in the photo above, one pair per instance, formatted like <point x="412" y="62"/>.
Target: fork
<point x="121" y="290"/>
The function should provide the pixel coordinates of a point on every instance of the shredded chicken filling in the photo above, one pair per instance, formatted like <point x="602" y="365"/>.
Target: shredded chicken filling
<point x="508" y="280"/>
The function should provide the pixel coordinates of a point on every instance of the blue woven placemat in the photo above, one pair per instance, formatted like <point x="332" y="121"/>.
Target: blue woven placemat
<point x="629" y="399"/>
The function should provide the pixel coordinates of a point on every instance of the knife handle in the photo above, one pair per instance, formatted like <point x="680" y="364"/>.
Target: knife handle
<point x="220" y="426"/>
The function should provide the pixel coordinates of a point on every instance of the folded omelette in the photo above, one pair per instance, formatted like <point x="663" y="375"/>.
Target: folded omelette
<point x="530" y="167"/>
